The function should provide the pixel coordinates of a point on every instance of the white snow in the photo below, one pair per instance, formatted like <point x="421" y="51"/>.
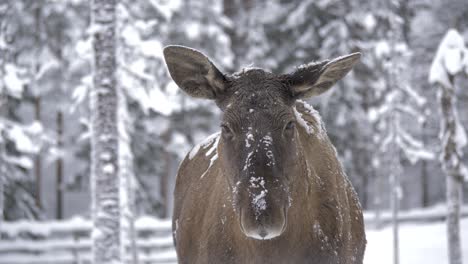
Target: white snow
<point x="152" y="48"/>
<point x="108" y="168"/>
<point x="416" y="154"/>
<point x="159" y="101"/>
<point x="248" y="160"/>
<point x="13" y="82"/>
<point x="453" y="60"/>
<point x="193" y="30"/>
<point x="259" y="202"/>
<point x="212" y="140"/>
<point x="369" y="22"/>
<point x="420" y="100"/>
<point x="23" y="141"/>
<point x="419" y="243"/>
<point x="249" y="138"/>
<point x="51" y="64"/>
<point x="382" y="49"/>
<point x="204" y="144"/>
<point x="166" y="7"/>
<point x="302" y="122"/>
<point x="105" y="156"/>
<point x="21" y="161"/>
<point x="448" y="59"/>
<point x="460" y="134"/>
<point x="245" y="70"/>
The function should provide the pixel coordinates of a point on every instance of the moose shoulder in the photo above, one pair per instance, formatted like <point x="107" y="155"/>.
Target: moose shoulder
<point x="269" y="187"/>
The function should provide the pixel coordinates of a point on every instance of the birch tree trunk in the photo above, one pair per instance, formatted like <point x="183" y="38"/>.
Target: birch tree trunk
<point x="3" y="169"/>
<point x="4" y="7"/>
<point x="395" y="195"/>
<point x="104" y="137"/>
<point x="127" y="187"/>
<point x="450" y="159"/>
<point x="37" y="100"/>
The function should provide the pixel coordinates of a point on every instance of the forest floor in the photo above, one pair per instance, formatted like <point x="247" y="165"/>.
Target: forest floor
<point x="419" y="243"/>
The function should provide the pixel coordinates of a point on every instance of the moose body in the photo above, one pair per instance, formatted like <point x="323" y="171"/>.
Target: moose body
<point x="269" y="187"/>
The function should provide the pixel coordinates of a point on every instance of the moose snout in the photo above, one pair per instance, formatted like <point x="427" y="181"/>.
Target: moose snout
<point x="263" y="227"/>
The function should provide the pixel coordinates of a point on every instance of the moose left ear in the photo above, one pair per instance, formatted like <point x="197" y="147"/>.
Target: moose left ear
<point x="314" y="79"/>
<point x="193" y="72"/>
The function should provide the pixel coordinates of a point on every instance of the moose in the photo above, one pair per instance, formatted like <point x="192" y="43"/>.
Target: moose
<point x="267" y="188"/>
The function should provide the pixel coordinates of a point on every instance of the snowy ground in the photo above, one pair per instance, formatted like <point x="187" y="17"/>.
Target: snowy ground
<point x="419" y="243"/>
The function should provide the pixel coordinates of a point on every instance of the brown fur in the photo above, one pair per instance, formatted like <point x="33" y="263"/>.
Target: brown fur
<point x="324" y="222"/>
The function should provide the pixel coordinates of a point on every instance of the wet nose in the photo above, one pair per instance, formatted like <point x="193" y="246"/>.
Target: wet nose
<point x="262" y="233"/>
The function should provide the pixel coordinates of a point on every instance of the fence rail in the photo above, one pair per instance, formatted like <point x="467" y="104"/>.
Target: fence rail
<point x="68" y="242"/>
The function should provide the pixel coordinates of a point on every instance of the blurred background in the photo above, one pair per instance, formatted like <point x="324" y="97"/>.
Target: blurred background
<point x="46" y="75"/>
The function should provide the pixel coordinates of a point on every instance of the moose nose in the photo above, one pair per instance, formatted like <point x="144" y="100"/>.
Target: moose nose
<point x="262" y="233"/>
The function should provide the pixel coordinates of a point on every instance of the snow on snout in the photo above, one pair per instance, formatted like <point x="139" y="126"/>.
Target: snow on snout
<point x="259" y="203"/>
<point x="257" y="189"/>
<point x="249" y="138"/>
<point x="267" y="144"/>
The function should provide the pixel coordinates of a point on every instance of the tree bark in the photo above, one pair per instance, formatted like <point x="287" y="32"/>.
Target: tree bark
<point x="37" y="106"/>
<point x="105" y="171"/>
<point x="378" y="202"/>
<point x="164" y="180"/>
<point x="450" y="158"/>
<point x="127" y="187"/>
<point x="395" y="187"/>
<point x="424" y="174"/>
<point x="37" y="160"/>
<point x="59" y="167"/>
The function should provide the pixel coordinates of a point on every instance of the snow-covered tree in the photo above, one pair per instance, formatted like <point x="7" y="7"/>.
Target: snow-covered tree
<point x="21" y="141"/>
<point x="105" y="171"/>
<point x="449" y="61"/>
<point x="401" y="105"/>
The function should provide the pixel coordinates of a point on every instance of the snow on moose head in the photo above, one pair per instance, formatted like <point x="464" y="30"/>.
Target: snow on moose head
<point x="257" y="147"/>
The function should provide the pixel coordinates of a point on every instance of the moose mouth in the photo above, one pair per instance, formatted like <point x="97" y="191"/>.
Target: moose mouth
<point x="263" y="227"/>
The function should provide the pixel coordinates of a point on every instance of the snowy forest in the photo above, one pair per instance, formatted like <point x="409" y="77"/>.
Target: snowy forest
<point x="93" y="128"/>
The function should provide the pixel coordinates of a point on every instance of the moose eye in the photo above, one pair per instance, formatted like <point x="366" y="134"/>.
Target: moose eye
<point x="226" y="131"/>
<point x="289" y="128"/>
<point x="290" y="125"/>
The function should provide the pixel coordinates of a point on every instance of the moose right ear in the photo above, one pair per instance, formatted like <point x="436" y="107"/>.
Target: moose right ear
<point x="194" y="73"/>
<point x="316" y="78"/>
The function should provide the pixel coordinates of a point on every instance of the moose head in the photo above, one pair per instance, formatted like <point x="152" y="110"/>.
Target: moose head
<point x="258" y="146"/>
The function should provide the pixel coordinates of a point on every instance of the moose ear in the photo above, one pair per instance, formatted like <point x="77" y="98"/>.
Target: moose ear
<point x="314" y="79"/>
<point x="193" y="72"/>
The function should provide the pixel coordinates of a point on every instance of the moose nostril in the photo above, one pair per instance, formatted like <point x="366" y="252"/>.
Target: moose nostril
<point x="263" y="233"/>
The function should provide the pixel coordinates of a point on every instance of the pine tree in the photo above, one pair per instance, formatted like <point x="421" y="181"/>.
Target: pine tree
<point x="447" y="64"/>
<point x="105" y="171"/>
<point x="20" y="142"/>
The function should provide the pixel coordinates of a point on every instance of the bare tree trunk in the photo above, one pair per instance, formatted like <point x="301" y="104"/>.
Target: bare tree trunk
<point x="450" y="158"/>
<point x="59" y="128"/>
<point x="395" y="187"/>
<point x="424" y="174"/>
<point x="127" y="186"/>
<point x="395" y="205"/>
<point x="378" y="202"/>
<point x="59" y="167"/>
<point x="3" y="168"/>
<point x="164" y="180"/>
<point x="4" y="7"/>
<point x="365" y="186"/>
<point x="37" y="106"/>
<point x="105" y="171"/>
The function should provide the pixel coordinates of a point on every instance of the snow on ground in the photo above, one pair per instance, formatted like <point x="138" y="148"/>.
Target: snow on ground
<point x="419" y="243"/>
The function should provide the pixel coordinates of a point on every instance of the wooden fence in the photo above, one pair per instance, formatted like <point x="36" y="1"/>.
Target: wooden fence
<point x="68" y="242"/>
